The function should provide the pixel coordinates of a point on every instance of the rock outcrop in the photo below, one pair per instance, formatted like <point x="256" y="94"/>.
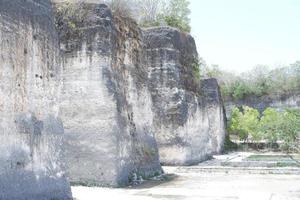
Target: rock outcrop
<point x="30" y="132"/>
<point x="216" y="113"/>
<point x="106" y="105"/>
<point x="279" y="102"/>
<point x="189" y="122"/>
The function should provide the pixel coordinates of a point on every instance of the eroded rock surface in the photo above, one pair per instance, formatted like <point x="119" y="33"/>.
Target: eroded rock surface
<point x="216" y="113"/>
<point x="30" y="132"/>
<point x="106" y="105"/>
<point x="189" y="123"/>
<point x="123" y="90"/>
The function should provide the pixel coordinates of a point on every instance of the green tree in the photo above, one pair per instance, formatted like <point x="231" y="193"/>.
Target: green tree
<point x="178" y="15"/>
<point x="250" y="122"/>
<point x="258" y="82"/>
<point x="290" y="130"/>
<point x="274" y="126"/>
<point x="240" y="90"/>
<point x="245" y="123"/>
<point x="270" y="125"/>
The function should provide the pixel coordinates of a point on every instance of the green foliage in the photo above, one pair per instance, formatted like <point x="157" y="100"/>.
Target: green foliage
<point x="245" y="123"/>
<point x="258" y="82"/>
<point x="283" y="126"/>
<point x="178" y="15"/>
<point x="273" y="126"/>
<point x="196" y="68"/>
<point x="176" y="22"/>
<point x="151" y="23"/>
<point x="269" y="124"/>
<point x="240" y="90"/>
<point x="289" y="130"/>
<point x="174" y="13"/>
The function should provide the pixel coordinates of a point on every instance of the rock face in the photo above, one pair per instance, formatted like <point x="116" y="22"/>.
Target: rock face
<point x="261" y="103"/>
<point x="216" y="113"/>
<point x="123" y="90"/>
<point x="31" y="133"/>
<point x="189" y="122"/>
<point x="106" y="105"/>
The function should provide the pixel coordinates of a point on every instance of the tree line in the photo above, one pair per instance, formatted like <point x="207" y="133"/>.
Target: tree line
<point x="149" y="13"/>
<point x="257" y="82"/>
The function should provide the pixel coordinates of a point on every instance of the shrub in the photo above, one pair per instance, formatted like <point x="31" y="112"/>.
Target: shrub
<point x="289" y="131"/>
<point x="273" y="126"/>
<point x="148" y="13"/>
<point x="175" y="21"/>
<point x="245" y="123"/>
<point x="240" y="90"/>
<point x="270" y="124"/>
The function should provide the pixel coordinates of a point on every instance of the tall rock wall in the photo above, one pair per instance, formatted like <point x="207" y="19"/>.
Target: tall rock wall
<point x="189" y="123"/>
<point x="216" y="113"/>
<point x="106" y="105"/>
<point x="30" y="132"/>
<point x="123" y="90"/>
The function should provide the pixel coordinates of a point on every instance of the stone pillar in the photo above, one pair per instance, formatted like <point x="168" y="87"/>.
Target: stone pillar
<point x="30" y="132"/>
<point x="189" y="123"/>
<point x="106" y="105"/>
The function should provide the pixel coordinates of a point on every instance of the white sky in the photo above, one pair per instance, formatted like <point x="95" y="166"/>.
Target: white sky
<point x="239" y="34"/>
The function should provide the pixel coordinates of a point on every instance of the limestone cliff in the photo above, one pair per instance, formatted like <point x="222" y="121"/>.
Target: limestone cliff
<point x="124" y="89"/>
<point x="216" y="113"/>
<point x="106" y="105"/>
<point x="189" y="122"/>
<point x="30" y="132"/>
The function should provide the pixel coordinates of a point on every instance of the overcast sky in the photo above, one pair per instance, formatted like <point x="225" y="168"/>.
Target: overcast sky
<point x="239" y="34"/>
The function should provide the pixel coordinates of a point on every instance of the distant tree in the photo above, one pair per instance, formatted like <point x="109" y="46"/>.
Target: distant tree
<point x="178" y="15"/>
<point x="122" y="8"/>
<point x="150" y="11"/>
<point x="258" y="80"/>
<point x="147" y="13"/>
<point x="289" y="130"/>
<point x="235" y="123"/>
<point x="245" y="123"/>
<point x="240" y="90"/>
<point x="270" y="123"/>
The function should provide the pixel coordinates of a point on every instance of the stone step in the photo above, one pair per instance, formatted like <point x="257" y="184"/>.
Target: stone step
<point x="237" y="170"/>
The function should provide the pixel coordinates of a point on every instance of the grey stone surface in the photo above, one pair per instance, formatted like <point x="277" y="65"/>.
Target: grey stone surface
<point x="106" y="105"/>
<point x="30" y="132"/>
<point x="189" y="122"/>
<point x="216" y="113"/>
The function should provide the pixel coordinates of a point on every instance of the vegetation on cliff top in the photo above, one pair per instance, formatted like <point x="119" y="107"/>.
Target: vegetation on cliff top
<point x="149" y="13"/>
<point x="258" y="82"/>
<point x="69" y="17"/>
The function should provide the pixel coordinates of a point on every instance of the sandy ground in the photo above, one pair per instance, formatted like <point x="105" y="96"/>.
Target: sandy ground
<point x="205" y="186"/>
<point x="190" y="183"/>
